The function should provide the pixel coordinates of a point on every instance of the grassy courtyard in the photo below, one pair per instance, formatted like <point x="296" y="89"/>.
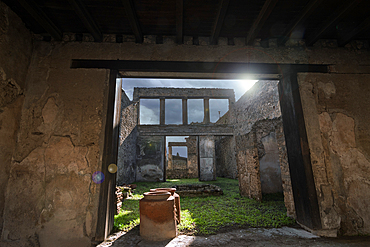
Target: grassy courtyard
<point x="209" y="215"/>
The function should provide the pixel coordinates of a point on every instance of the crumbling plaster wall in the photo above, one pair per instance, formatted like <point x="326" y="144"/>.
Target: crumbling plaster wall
<point x="256" y="115"/>
<point x="225" y="157"/>
<point x="15" y="57"/>
<point x="51" y="198"/>
<point x="337" y="119"/>
<point x="126" y="160"/>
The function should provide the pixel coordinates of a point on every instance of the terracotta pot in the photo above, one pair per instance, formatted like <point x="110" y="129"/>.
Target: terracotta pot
<point x="177" y="200"/>
<point x="157" y="216"/>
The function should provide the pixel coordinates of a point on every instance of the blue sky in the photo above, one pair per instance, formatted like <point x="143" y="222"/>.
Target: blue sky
<point x="149" y="108"/>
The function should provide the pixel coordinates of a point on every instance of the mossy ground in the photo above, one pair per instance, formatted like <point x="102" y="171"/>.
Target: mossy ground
<point x="212" y="214"/>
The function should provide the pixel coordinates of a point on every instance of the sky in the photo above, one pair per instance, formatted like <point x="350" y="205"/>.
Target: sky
<point x="149" y="108"/>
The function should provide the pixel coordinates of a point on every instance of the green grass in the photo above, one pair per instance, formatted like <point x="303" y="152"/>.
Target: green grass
<point x="208" y="215"/>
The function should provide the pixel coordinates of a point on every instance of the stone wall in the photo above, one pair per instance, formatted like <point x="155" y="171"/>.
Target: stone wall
<point x="337" y="119"/>
<point x="256" y="116"/>
<point x="225" y="157"/>
<point x="192" y="146"/>
<point x="15" y="57"/>
<point x="126" y="161"/>
<point x="150" y="158"/>
<point x="207" y="158"/>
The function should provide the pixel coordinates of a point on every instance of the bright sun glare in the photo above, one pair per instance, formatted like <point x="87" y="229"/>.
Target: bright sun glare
<point x="247" y="84"/>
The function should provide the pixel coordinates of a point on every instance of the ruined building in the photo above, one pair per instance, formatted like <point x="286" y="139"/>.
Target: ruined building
<point x="60" y="105"/>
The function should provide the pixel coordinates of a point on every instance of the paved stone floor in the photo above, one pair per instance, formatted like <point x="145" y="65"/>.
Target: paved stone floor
<point x="285" y="236"/>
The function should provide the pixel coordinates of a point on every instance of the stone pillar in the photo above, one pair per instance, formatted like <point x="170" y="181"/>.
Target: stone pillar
<point x="192" y="146"/>
<point x="207" y="158"/>
<point x="184" y="111"/>
<point x="162" y="111"/>
<point x="169" y="164"/>
<point x="248" y="166"/>
<point x="206" y="111"/>
<point x="138" y="112"/>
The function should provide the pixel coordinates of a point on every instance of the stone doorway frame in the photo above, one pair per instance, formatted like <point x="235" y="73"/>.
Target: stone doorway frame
<point x="303" y="185"/>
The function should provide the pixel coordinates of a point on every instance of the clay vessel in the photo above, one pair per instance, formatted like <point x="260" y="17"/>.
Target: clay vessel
<point x="177" y="200"/>
<point x="157" y="216"/>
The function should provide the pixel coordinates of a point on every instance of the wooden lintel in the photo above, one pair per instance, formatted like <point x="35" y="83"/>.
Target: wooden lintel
<point x="219" y="21"/>
<point x="197" y="67"/>
<point x="331" y="21"/>
<point x="179" y="21"/>
<point x="87" y="19"/>
<point x="257" y="25"/>
<point x="134" y="22"/>
<point x="306" y="12"/>
<point x="36" y="12"/>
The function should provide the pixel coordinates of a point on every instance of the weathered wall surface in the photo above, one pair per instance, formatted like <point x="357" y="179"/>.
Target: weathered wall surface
<point x="337" y="119"/>
<point x="256" y="116"/>
<point x="225" y="157"/>
<point x="207" y="158"/>
<point x="150" y="158"/>
<point x="192" y="146"/>
<point x="260" y="102"/>
<point x="179" y="169"/>
<point x="126" y="160"/>
<point x="15" y="57"/>
<point x="51" y="198"/>
<point x="269" y="165"/>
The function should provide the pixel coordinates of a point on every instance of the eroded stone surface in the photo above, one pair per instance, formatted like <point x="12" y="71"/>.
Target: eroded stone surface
<point x="340" y="162"/>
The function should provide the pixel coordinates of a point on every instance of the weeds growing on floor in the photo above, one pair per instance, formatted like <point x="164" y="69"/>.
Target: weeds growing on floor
<point x="208" y="215"/>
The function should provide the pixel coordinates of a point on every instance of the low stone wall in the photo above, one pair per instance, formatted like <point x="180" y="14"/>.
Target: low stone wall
<point x="194" y="190"/>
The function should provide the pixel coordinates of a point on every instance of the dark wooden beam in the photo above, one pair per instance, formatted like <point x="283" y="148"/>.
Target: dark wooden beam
<point x="260" y="21"/>
<point x="307" y="11"/>
<point x="365" y="25"/>
<point x="219" y="21"/>
<point x="134" y="22"/>
<point x="36" y="12"/>
<point x="105" y="216"/>
<point x="87" y="19"/>
<point x="331" y="21"/>
<point x="197" y="67"/>
<point x="179" y="21"/>
<point x="298" y="151"/>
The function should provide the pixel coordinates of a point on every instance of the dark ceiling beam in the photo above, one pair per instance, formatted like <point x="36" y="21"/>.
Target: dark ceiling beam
<point x="365" y="25"/>
<point x="197" y="67"/>
<point x="307" y="11"/>
<point x="179" y="21"/>
<point x="219" y="21"/>
<point x="260" y="21"/>
<point x="134" y="22"/>
<point x="36" y="12"/>
<point x="331" y="21"/>
<point x="87" y="19"/>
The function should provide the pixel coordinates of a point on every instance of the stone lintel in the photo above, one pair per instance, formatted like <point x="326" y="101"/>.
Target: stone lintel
<point x="183" y="93"/>
<point x="186" y="130"/>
